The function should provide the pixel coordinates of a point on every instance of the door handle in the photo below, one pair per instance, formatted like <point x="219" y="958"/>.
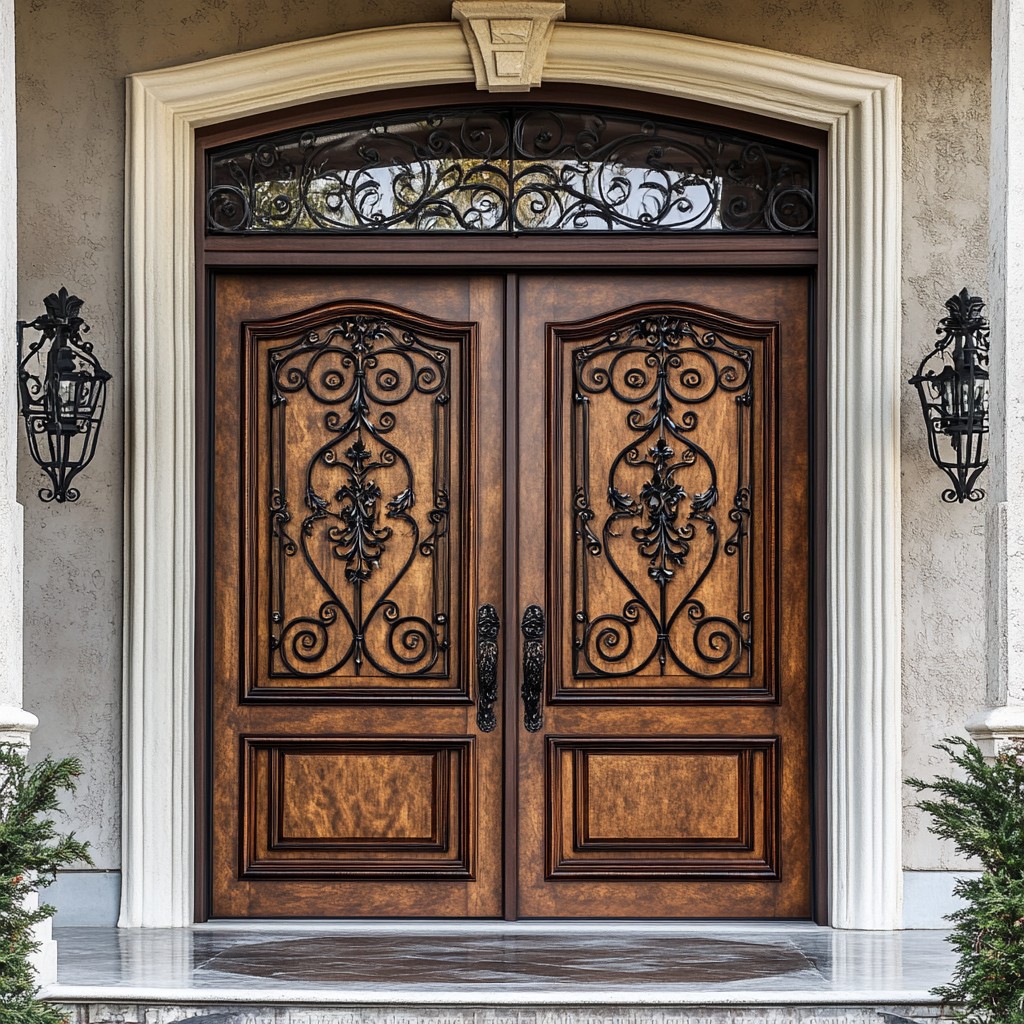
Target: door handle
<point x="533" y="666"/>
<point x="487" y="627"/>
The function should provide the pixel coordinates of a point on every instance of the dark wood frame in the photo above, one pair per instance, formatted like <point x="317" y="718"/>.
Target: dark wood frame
<point x="408" y="253"/>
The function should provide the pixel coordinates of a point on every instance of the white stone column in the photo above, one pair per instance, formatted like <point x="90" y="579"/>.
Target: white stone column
<point x="1003" y="718"/>
<point x="15" y="722"/>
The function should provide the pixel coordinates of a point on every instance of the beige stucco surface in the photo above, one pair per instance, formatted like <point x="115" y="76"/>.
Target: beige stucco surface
<point x="73" y="56"/>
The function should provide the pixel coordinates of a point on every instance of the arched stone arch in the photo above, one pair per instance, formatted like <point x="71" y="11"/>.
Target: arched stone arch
<point x="860" y="110"/>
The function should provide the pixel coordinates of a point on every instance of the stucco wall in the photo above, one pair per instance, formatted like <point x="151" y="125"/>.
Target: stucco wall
<point x="73" y="56"/>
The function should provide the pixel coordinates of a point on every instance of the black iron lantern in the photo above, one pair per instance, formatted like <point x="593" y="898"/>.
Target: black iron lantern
<point x="952" y="383"/>
<point x="62" y="391"/>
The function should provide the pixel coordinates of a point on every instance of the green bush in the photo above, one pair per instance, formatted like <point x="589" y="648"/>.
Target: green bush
<point x="983" y="813"/>
<point x="31" y="851"/>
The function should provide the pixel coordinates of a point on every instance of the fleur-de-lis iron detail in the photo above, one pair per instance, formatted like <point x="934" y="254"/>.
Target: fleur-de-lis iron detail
<point x="358" y="541"/>
<point x="662" y="542"/>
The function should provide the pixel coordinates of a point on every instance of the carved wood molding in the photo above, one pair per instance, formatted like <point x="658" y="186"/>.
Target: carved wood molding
<point x="508" y="41"/>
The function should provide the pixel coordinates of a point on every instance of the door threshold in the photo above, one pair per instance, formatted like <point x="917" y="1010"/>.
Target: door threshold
<point x="484" y="926"/>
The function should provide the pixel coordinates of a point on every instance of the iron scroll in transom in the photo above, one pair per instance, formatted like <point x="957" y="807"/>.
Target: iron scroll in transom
<point x="510" y="170"/>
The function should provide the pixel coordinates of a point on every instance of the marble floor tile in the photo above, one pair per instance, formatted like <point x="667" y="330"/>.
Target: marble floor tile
<point x="515" y="964"/>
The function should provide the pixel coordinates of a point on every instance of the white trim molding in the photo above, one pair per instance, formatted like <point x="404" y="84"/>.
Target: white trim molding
<point x="860" y="110"/>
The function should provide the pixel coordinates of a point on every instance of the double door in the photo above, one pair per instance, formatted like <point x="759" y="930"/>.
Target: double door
<point x="509" y="583"/>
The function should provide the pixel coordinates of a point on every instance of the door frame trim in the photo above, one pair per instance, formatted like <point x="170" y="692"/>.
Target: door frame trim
<point x="860" y="110"/>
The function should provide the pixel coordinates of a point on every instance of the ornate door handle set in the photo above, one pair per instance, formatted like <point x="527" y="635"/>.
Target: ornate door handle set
<point x="533" y="666"/>
<point x="487" y="628"/>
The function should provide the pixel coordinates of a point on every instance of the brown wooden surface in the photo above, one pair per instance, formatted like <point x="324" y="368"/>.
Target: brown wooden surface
<point x="709" y="760"/>
<point x="654" y="792"/>
<point x="353" y="782"/>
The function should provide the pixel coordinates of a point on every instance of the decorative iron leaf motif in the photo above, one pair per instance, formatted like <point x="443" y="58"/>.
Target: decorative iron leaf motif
<point x="509" y="169"/>
<point x="343" y="390"/>
<point x="656" y="378"/>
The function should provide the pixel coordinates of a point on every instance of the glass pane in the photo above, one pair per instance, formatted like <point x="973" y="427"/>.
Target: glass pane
<point x="537" y="169"/>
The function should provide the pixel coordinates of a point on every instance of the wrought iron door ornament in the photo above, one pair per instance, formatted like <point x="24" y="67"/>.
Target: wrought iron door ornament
<point x="662" y="368"/>
<point x="360" y="370"/>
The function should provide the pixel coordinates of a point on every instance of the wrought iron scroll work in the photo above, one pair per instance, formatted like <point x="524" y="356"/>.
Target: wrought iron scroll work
<point x="487" y="626"/>
<point x="357" y="503"/>
<point x="661" y="509"/>
<point x="533" y="667"/>
<point x="495" y="169"/>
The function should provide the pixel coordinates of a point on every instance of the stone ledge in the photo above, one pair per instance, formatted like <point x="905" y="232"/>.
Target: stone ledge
<point x="993" y="728"/>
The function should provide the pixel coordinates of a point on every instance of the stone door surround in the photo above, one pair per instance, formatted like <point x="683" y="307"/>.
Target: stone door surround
<point x="859" y="109"/>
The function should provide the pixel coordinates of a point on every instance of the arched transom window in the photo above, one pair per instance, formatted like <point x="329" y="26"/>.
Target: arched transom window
<point x="510" y="170"/>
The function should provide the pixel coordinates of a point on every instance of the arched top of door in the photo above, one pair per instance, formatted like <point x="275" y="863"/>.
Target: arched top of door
<point x="459" y="163"/>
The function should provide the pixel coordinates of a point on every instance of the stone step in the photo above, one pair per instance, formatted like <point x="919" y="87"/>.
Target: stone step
<point x="239" y="1013"/>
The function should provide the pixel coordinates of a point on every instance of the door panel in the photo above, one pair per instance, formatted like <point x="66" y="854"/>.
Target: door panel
<point x="671" y="768"/>
<point x="665" y="431"/>
<point x="356" y="438"/>
<point x="625" y="808"/>
<point x="366" y="422"/>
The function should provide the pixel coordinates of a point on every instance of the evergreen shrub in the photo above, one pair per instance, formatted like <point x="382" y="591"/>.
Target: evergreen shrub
<point x="31" y="851"/>
<point x="982" y="812"/>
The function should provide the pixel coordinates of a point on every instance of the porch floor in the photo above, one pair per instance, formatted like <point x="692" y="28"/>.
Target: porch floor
<point x="523" y="964"/>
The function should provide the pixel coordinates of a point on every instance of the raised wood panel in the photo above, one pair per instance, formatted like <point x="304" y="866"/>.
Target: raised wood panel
<point x="358" y="808"/>
<point x="669" y="796"/>
<point x="668" y="808"/>
<point x="364" y="797"/>
<point x="661" y="525"/>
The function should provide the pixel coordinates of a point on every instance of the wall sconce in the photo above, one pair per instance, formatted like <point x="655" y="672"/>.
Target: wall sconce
<point x="954" y="396"/>
<point x="62" y="391"/>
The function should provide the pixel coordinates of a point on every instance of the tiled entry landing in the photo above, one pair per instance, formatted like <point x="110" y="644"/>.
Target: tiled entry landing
<point x="565" y="973"/>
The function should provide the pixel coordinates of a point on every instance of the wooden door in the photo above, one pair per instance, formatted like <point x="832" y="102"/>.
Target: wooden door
<point x="616" y="468"/>
<point x="356" y="531"/>
<point x="663" y="551"/>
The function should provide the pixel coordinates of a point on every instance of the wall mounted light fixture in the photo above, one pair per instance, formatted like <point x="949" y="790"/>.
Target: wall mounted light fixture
<point x="62" y="392"/>
<point x="952" y="383"/>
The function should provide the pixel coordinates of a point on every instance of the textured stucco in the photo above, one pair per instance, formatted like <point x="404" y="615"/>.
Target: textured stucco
<point x="73" y="56"/>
